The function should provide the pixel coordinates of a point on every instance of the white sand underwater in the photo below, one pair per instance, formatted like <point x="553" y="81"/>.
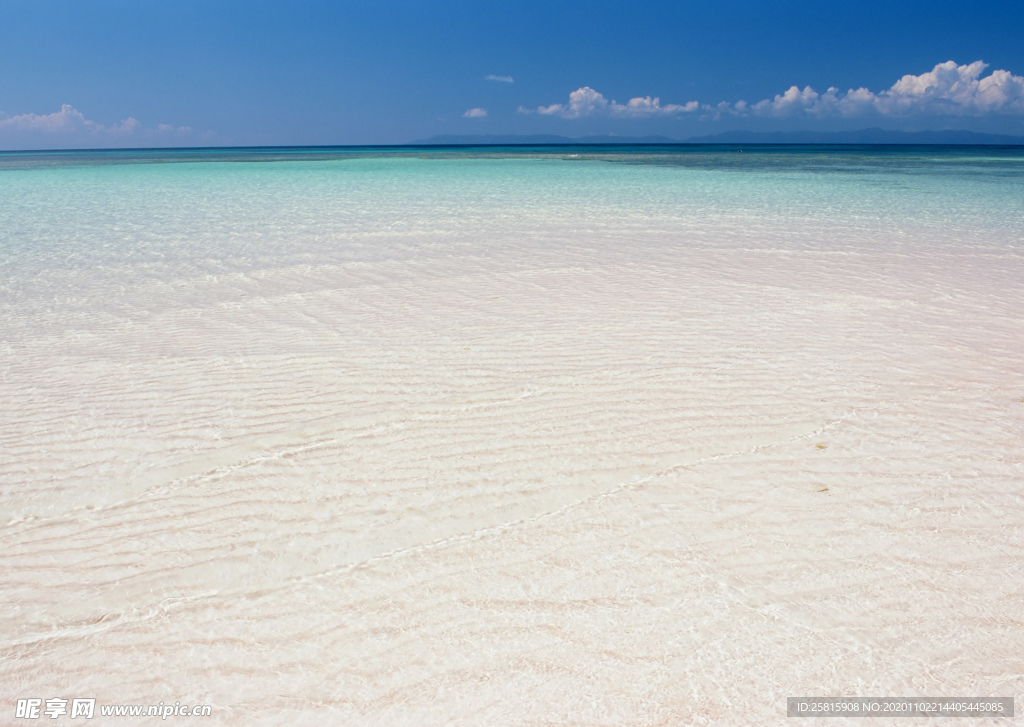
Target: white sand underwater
<point x="544" y="455"/>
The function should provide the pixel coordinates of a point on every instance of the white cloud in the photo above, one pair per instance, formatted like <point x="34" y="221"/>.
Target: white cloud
<point x="586" y="101"/>
<point x="786" y="103"/>
<point x="647" y="106"/>
<point x="475" y="113"/>
<point x="499" y="79"/>
<point x="67" y="119"/>
<point x="947" y="89"/>
<point x="582" y="102"/>
<point x="69" y="126"/>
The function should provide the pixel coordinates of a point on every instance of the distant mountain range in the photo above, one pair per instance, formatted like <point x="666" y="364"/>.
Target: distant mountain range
<point x="862" y="136"/>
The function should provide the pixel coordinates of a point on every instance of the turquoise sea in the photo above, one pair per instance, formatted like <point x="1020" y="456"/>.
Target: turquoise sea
<point x="511" y="435"/>
<point x="76" y="209"/>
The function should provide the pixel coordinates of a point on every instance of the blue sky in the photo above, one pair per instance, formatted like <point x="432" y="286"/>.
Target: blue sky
<point x="221" y="72"/>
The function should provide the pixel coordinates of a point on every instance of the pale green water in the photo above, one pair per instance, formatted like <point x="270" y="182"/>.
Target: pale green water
<point x="96" y="204"/>
<point x="96" y="225"/>
<point x="181" y="213"/>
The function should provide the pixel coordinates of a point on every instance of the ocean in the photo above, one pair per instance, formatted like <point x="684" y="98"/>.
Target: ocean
<point x="511" y="435"/>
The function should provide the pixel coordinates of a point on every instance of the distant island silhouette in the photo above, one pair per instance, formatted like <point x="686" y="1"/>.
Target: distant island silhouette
<point x="862" y="136"/>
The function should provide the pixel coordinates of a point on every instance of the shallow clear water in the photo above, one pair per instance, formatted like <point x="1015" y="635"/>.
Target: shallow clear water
<point x="557" y="435"/>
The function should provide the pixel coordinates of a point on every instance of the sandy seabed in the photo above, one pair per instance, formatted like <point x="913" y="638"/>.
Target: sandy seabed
<point x="566" y="482"/>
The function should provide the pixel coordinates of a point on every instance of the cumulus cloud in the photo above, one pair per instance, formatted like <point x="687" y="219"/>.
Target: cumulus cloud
<point x="786" y="103"/>
<point x="586" y="101"/>
<point x="947" y="89"/>
<point x="67" y="119"/>
<point x="475" y="113"/>
<point x="499" y="79"/>
<point x="70" y="126"/>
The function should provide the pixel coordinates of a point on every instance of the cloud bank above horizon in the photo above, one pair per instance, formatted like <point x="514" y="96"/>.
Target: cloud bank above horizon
<point x="947" y="90"/>
<point x="72" y="126"/>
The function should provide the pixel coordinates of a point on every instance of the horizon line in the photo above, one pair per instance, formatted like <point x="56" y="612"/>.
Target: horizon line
<point x="482" y="145"/>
